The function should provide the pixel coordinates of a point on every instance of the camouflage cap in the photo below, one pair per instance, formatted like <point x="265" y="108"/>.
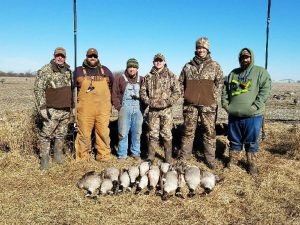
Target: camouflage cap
<point x="92" y="51"/>
<point x="245" y="52"/>
<point x="60" y="50"/>
<point x="202" y="42"/>
<point x="159" y="56"/>
<point x="132" y="62"/>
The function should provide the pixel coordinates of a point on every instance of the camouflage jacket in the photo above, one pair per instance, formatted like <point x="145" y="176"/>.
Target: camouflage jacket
<point x="202" y="70"/>
<point x="160" y="90"/>
<point x="49" y="76"/>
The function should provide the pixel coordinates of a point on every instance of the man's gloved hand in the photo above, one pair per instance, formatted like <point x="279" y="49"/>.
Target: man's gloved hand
<point x="134" y="97"/>
<point x="44" y="113"/>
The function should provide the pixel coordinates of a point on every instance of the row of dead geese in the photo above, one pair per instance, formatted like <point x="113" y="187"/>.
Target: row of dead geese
<point x="166" y="179"/>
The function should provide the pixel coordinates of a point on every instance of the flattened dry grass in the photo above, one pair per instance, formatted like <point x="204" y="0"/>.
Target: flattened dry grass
<point x="31" y="196"/>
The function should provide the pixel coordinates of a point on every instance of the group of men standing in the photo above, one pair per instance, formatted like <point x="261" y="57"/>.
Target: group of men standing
<point x="245" y="92"/>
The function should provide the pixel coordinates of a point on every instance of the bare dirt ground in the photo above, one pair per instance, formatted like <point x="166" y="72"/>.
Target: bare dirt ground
<point x="31" y="196"/>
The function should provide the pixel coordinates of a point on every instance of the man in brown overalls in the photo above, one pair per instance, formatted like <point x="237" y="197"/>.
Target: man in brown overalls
<point x="94" y="107"/>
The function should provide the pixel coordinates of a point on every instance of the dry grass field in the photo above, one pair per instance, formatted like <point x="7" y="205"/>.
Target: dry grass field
<point x="31" y="196"/>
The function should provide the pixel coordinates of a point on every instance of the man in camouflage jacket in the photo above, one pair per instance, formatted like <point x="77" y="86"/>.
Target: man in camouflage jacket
<point x="52" y="89"/>
<point x="160" y="90"/>
<point x="200" y="80"/>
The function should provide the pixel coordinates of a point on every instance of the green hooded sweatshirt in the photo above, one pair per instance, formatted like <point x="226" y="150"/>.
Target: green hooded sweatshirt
<point x="241" y="101"/>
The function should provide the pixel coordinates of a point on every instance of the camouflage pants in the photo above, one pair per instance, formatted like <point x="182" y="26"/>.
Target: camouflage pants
<point x="160" y="122"/>
<point x="55" y="127"/>
<point x="207" y="120"/>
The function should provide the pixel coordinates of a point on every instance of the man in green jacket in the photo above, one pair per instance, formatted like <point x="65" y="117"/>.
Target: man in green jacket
<point x="245" y="92"/>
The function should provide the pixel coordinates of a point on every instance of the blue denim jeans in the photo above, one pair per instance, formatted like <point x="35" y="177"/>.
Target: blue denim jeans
<point x="130" y="120"/>
<point x="244" y="131"/>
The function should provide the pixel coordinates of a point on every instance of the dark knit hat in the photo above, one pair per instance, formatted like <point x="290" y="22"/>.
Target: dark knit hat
<point x="60" y="50"/>
<point x="132" y="62"/>
<point x="159" y="56"/>
<point x="92" y="51"/>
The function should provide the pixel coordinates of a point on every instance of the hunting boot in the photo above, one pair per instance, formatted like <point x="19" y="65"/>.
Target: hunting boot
<point x="186" y="151"/>
<point x="44" y="155"/>
<point x="209" y="153"/>
<point x="58" y="151"/>
<point x="234" y="157"/>
<point x="168" y="151"/>
<point x="251" y="161"/>
<point x="151" y="150"/>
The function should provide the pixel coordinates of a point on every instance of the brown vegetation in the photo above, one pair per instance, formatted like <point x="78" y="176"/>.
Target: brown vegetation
<point x="31" y="196"/>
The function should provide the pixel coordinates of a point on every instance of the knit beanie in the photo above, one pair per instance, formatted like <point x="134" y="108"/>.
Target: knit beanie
<point x="202" y="42"/>
<point x="132" y="62"/>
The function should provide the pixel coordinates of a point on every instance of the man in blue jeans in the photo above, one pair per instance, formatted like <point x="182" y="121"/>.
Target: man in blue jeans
<point x="245" y="93"/>
<point x="126" y="99"/>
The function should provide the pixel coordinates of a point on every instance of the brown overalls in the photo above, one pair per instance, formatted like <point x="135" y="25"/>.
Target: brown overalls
<point x="93" y="109"/>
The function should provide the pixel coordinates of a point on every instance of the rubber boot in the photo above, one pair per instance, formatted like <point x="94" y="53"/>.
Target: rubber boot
<point x="234" y="157"/>
<point x="44" y="161"/>
<point x="44" y="146"/>
<point x="209" y="153"/>
<point x="151" y="150"/>
<point x="251" y="161"/>
<point x="186" y="151"/>
<point x="58" y="151"/>
<point x="168" y="151"/>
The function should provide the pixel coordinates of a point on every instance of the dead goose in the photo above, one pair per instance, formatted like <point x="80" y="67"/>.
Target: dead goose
<point x="124" y="180"/>
<point x="142" y="184"/>
<point x="153" y="177"/>
<point x="164" y="168"/>
<point x="192" y="178"/>
<point x="208" y="181"/>
<point x="144" y="167"/>
<point x="106" y="187"/>
<point x="170" y="184"/>
<point x="90" y="182"/>
<point x="112" y="173"/>
<point x="133" y="172"/>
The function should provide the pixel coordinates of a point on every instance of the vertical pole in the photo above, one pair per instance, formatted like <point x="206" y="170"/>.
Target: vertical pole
<point x="74" y="86"/>
<point x="263" y="133"/>
<point x="267" y="41"/>
<point x="75" y="64"/>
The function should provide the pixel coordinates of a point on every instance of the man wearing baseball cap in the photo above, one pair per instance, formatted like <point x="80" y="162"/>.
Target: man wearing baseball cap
<point x="200" y="81"/>
<point x="52" y="89"/>
<point x="94" y="107"/>
<point x="160" y="91"/>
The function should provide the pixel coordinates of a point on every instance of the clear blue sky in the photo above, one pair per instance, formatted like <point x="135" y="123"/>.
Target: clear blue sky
<point x="31" y="29"/>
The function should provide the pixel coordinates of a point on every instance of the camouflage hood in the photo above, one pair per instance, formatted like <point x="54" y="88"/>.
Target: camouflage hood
<point x="57" y="68"/>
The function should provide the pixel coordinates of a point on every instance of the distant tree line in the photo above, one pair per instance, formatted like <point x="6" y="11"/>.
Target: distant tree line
<point x="12" y="74"/>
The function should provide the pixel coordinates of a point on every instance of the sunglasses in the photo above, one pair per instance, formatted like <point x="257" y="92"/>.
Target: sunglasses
<point x="93" y="56"/>
<point x="60" y="55"/>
